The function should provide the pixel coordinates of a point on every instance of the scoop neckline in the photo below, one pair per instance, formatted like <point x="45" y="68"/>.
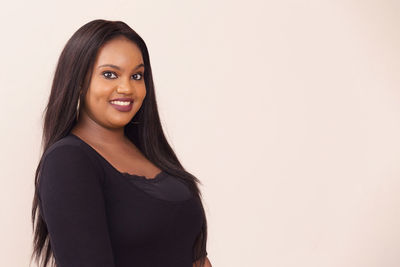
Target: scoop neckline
<point x="127" y="175"/>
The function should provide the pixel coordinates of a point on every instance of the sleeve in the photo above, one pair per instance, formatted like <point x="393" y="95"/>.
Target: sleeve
<point x="73" y="208"/>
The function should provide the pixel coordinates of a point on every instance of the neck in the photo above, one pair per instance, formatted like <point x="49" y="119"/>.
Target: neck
<point x="90" y="130"/>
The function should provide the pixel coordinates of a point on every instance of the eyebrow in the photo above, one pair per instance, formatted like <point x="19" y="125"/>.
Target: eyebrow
<point x="118" y="68"/>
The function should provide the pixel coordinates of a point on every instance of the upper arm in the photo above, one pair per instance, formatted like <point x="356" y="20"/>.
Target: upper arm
<point x="73" y="208"/>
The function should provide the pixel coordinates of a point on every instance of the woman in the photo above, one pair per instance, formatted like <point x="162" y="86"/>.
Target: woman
<point x="109" y="189"/>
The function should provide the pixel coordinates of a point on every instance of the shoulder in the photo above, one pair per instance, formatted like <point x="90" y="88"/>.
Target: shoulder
<point x="68" y="177"/>
<point x="65" y="145"/>
<point x="69" y="155"/>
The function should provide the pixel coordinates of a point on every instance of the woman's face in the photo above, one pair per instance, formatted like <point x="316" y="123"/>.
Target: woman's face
<point x="117" y="73"/>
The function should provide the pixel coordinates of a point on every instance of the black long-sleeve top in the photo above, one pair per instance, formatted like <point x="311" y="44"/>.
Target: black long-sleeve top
<point x="97" y="216"/>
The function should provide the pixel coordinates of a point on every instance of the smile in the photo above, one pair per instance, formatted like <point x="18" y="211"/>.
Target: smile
<point x="123" y="106"/>
<point x="121" y="103"/>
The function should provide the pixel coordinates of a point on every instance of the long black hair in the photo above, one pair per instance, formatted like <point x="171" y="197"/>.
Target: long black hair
<point x="72" y="74"/>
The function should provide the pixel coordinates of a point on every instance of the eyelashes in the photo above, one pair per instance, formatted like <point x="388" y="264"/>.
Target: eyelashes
<point x="108" y="74"/>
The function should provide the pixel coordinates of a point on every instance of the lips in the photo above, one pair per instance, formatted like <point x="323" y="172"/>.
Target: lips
<point x="123" y="108"/>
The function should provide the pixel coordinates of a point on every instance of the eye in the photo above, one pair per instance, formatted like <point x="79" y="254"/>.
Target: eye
<point x="140" y="76"/>
<point x="105" y="74"/>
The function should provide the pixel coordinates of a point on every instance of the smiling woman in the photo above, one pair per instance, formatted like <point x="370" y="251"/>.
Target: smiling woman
<point x="117" y="88"/>
<point x="109" y="189"/>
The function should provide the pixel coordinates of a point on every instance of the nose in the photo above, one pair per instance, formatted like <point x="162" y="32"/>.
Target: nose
<point x="125" y="87"/>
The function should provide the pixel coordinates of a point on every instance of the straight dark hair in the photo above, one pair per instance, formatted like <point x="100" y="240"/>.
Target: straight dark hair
<point x="72" y="74"/>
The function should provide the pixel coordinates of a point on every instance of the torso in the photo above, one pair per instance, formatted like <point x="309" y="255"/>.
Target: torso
<point x="133" y="222"/>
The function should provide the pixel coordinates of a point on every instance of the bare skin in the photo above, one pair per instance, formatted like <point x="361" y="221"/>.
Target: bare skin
<point x="100" y="124"/>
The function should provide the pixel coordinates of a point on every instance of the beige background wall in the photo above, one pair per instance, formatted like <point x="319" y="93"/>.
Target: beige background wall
<point x="288" y="111"/>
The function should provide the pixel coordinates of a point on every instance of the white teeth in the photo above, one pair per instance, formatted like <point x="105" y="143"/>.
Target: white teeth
<point x="121" y="103"/>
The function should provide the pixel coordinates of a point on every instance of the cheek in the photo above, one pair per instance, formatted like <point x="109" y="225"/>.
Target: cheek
<point x="142" y="92"/>
<point x="98" y="94"/>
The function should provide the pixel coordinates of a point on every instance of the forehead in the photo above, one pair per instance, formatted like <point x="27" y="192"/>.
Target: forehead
<point x="121" y="52"/>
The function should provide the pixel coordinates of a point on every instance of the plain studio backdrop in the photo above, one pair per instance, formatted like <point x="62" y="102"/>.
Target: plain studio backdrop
<point x="287" y="111"/>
